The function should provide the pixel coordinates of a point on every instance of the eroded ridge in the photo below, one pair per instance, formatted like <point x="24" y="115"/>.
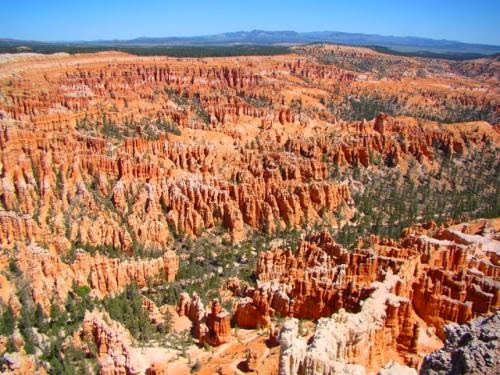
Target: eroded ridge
<point x="126" y="181"/>
<point x="409" y="288"/>
<point x="118" y="151"/>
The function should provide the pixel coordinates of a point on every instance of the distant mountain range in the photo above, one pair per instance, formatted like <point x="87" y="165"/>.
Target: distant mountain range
<point x="403" y="44"/>
<point x="270" y="38"/>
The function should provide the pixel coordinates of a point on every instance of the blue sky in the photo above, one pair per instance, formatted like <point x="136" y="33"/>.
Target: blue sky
<point x="476" y="21"/>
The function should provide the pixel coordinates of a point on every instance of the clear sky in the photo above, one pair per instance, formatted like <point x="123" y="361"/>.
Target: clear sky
<point x="476" y="21"/>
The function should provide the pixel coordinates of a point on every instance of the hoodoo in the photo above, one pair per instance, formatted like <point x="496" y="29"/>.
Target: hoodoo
<point x="289" y="209"/>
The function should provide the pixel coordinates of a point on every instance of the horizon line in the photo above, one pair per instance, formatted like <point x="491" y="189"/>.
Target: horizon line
<point x="106" y="39"/>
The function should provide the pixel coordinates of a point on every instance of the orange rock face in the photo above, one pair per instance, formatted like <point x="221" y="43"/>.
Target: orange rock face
<point x="124" y="155"/>
<point x="320" y="278"/>
<point x="219" y="325"/>
<point x="86" y="158"/>
<point x="461" y="281"/>
<point x="113" y="344"/>
<point x="437" y="279"/>
<point x="350" y="342"/>
<point x="115" y="351"/>
<point x="51" y="279"/>
<point x="249" y="315"/>
<point x="212" y="327"/>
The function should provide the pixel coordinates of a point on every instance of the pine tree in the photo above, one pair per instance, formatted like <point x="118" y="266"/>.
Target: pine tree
<point x="7" y="322"/>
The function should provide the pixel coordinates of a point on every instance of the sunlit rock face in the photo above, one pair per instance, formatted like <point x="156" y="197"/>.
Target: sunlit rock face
<point x="109" y="161"/>
<point x="350" y="342"/>
<point x="212" y="327"/>
<point x="114" y="150"/>
<point x="378" y="303"/>
<point x="52" y="279"/>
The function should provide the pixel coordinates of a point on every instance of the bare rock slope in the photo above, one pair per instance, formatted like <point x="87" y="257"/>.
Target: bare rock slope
<point x="472" y="348"/>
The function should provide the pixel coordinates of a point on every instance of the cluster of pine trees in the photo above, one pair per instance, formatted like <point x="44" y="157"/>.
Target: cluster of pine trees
<point x="460" y="190"/>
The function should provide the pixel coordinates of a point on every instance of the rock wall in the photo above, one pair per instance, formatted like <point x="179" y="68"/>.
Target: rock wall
<point x="212" y="327"/>
<point x="435" y="277"/>
<point x="114" y="344"/>
<point x="115" y="350"/>
<point x="350" y="342"/>
<point x="51" y="279"/>
<point x="109" y="151"/>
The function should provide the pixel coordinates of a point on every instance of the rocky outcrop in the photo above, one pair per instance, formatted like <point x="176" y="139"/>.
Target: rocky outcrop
<point x="248" y="315"/>
<point x="122" y="155"/>
<point x="113" y="342"/>
<point x="154" y="313"/>
<point x="212" y="327"/>
<point x="251" y="363"/>
<point x="441" y="277"/>
<point x="434" y="281"/>
<point x="112" y="345"/>
<point x="452" y="288"/>
<point x="318" y="279"/>
<point x="472" y="348"/>
<point x="388" y="141"/>
<point x="344" y="343"/>
<point x="103" y="153"/>
<point x="194" y="309"/>
<point x="218" y="323"/>
<point x="52" y="279"/>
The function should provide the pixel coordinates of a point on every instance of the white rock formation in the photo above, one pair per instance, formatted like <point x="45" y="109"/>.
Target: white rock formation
<point x="338" y="339"/>
<point x="394" y="368"/>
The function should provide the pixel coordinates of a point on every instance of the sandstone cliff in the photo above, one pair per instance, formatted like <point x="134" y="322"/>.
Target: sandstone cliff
<point x="212" y="327"/>
<point x="345" y="343"/>
<point x="51" y="279"/>
<point x="437" y="275"/>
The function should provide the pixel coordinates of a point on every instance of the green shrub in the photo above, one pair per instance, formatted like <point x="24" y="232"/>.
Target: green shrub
<point x="126" y="308"/>
<point x="7" y="322"/>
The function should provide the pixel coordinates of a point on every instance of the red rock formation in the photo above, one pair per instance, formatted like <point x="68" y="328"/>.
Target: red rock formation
<point x="251" y="361"/>
<point x="320" y="278"/>
<point x="154" y="313"/>
<point x="86" y="157"/>
<point x="51" y="279"/>
<point x="111" y="151"/>
<point x="248" y="315"/>
<point x="219" y="325"/>
<point x="114" y="344"/>
<point x="194" y="309"/>
<point x="342" y="344"/>
<point x="213" y="327"/>
<point x="435" y="279"/>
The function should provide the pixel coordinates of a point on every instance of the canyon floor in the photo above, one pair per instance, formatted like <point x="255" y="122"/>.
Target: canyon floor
<point x="333" y="210"/>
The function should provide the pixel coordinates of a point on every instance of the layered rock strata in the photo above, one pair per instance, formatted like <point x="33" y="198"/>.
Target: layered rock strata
<point x="350" y="342"/>
<point x="111" y="150"/>
<point x="213" y="326"/>
<point x="438" y="275"/>
<point x="51" y="279"/>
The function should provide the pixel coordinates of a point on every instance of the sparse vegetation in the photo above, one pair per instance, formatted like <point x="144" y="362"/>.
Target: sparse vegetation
<point x="146" y="128"/>
<point x="460" y="190"/>
<point x="126" y="308"/>
<point x="171" y="156"/>
<point x="368" y="105"/>
<point x="174" y="51"/>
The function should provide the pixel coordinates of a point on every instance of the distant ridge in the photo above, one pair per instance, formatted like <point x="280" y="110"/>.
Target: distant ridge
<point x="407" y="44"/>
<point x="262" y="37"/>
